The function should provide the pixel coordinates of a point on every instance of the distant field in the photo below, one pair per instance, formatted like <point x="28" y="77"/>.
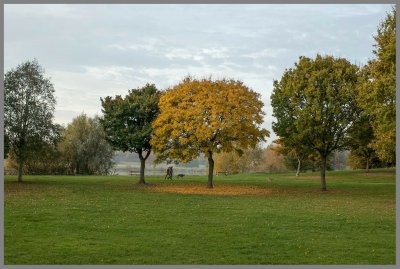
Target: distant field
<point x="124" y="168"/>
<point x="245" y="219"/>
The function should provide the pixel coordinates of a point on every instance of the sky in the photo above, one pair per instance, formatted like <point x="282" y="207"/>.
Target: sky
<point x="94" y="51"/>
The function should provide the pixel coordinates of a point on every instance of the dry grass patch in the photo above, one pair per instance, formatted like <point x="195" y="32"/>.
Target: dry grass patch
<point x="26" y="188"/>
<point x="202" y="189"/>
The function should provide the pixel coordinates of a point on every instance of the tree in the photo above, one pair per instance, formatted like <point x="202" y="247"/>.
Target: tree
<point x="127" y="121"/>
<point x="227" y="162"/>
<point x="293" y="148"/>
<point x="29" y="105"/>
<point x="84" y="147"/>
<point x="206" y="116"/>
<point x="378" y="93"/>
<point x="361" y="138"/>
<point x="251" y="160"/>
<point x="358" y="161"/>
<point x="314" y="104"/>
<point x="232" y="162"/>
<point x="273" y="159"/>
<point x="292" y="142"/>
<point x="39" y="162"/>
<point x="310" y="162"/>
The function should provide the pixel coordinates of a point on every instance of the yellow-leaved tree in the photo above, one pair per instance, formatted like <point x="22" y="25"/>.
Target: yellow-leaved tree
<point x="207" y="116"/>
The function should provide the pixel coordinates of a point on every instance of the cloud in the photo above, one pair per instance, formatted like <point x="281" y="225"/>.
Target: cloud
<point x="148" y="46"/>
<point x="64" y="116"/>
<point x="182" y="53"/>
<point x="197" y="54"/>
<point x="216" y="52"/>
<point x="92" y="51"/>
<point x="116" y="73"/>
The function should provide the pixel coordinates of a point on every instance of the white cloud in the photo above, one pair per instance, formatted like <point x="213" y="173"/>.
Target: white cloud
<point x="266" y="53"/>
<point x="183" y="53"/>
<point x="116" y="73"/>
<point x="196" y="54"/>
<point x="216" y="52"/>
<point x="148" y="45"/>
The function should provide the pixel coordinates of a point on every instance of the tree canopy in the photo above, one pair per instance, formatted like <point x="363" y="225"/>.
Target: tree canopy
<point x="293" y="149"/>
<point x="315" y="105"/>
<point x="378" y="93"/>
<point x="84" y="147"/>
<point x="252" y="160"/>
<point x="207" y="116"/>
<point x="29" y="105"/>
<point x="127" y="121"/>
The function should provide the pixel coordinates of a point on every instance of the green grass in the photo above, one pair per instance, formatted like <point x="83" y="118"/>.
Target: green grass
<point x="112" y="220"/>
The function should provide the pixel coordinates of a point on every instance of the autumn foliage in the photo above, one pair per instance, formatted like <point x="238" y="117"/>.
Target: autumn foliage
<point x="378" y="93"/>
<point x="207" y="116"/>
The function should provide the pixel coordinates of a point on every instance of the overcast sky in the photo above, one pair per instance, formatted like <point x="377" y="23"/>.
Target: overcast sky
<point x="93" y="51"/>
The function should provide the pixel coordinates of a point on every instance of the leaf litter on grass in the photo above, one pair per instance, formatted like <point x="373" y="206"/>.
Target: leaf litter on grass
<point x="217" y="190"/>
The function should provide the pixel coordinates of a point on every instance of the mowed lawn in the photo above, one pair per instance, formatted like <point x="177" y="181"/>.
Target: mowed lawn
<point x="245" y="219"/>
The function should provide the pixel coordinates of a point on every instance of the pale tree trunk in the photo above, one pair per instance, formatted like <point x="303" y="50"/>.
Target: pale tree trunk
<point x="298" y="167"/>
<point x="367" y="166"/>
<point x="210" y="170"/>
<point x="323" y="169"/>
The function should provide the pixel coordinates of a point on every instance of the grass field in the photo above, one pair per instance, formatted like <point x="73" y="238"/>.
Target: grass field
<point x="245" y="219"/>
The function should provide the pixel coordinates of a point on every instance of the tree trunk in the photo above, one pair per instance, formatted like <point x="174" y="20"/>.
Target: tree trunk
<point x="142" y="164"/>
<point x="20" y="169"/>
<point x="298" y="167"/>
<point x="367" y="166"/>
<point x="210" y="170"/>
<point x="323" y="169"/>
<point x="142" y="167"/>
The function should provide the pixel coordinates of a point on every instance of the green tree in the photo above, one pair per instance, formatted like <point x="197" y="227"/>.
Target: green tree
<point x="39" y="162"/>
<point x="292" y="142"/>
<point x="29" y="105"/>
<point x="314" y="104"/>
<point x="358" y="160"/>
<point x="378" y="93"/>
<point x="293" y="149"/>
<point x="310" y="163"/>
<point x="361" y="138"/>
<point x="206" y="116"/>
<point x="84" y="147"/>
<point x="127" y="121"/>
